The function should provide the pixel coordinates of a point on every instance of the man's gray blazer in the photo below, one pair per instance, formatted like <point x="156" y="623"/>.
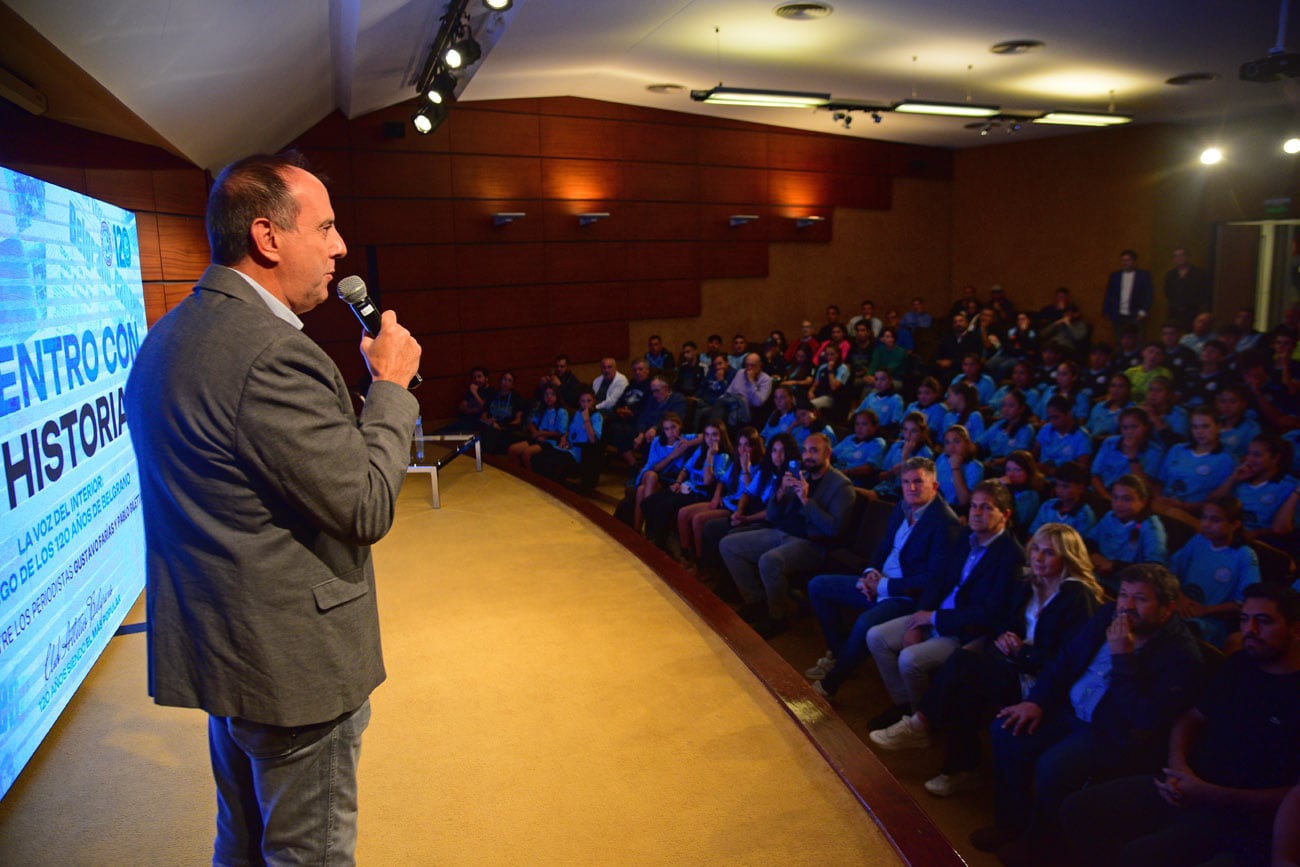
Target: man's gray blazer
<point x="262" y="493"/>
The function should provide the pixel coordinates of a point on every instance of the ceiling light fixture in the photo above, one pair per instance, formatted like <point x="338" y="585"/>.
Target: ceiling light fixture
<point x="498" y="5"/>
<point x="1083" y="118"/>
<point x="464" y="52"/>
<point x="1211" y="156"/>
<point x="721" y="95"/>
<point x="592" y="217"/>
<point x="1291" y="146"/>
<point x="501" y="218"/>
<point x="441" y="90"/>
<point x="945" y="109"/>
<point x="1016" y="46"/>
<point x="810" y="220"/>
<point x="741" y="219"/>
<point x="803" y="11"/>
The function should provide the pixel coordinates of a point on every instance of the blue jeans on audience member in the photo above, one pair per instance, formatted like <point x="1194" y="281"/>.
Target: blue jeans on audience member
<point x="286" y="795"/>
<point x="834" y="596"/>
<point x="761" y="562"/>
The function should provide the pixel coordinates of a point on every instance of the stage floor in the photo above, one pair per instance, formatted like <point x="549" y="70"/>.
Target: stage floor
<point x="549" y="701"/>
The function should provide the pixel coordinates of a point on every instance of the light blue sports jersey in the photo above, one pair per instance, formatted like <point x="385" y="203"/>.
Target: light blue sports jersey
<point x="996" y="443"/>
<point x="890" y="488"/>
<point x="974" y="424"/>
<point x="1057" y="448"/>
<point x="1110" y="463"/>
<point x="933" y="413"/>
<point x="850" y="453"/>
<point x="1212" y="576"/>
<point x="972" y="472"/>
<point x="1081" y="519"/>
<point x="1259" y="503"/>
<point x="888" y="408"/>
<point x="1190" y="477"/>
<point x="1130" y="541"/>
<point x="1104" y="421"/>
<point x="1235" y="439"/>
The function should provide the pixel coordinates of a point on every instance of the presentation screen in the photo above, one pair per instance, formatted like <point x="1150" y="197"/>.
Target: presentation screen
<point x="71" y="321"/>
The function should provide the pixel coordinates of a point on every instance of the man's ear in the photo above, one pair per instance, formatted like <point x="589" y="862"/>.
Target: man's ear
<point x="264" y="241"/>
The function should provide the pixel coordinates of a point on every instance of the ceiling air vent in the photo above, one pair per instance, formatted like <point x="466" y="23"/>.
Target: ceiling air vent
<point x="803" y="11"/>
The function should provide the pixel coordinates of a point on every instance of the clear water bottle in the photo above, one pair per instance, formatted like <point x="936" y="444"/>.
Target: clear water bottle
<point x="419" y="437"/>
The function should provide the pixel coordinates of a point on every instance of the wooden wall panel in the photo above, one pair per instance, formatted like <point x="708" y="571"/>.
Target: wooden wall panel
<point x="590" y="261"/>
<point x="427" y="312"/>
<point x="155" y="302"/>
<point x="726" y="147"/>
<point x="589" y="302"/>
<point x="474" y="223"/>
<point x="402" y="175"/>
<point x="715" y="223"/>
<point x="504" y="348"/>
<point x="581" y="138"/>
<point x="496" y="133"/>
<point x="438" y="396"/>
<point x="146" y="229"/>
<point x="335" y="166"/>
<point x="443" y="352"/>
<point x="584" y="344"/>
<point x="658" y="143"/>
<point x="733" y="186"/>
<point x="396" y="221"/>
<point x="662" y="261"/>
<point x="735" y="259"/>
<point x="180" y="191"/>
<point x="184" y="245"/>
<point x="650" y="182"/>
<point x="800" y="152"/>
<point x="581" y="179"/>
<point x="131" y="189"/>
<point x="665" y="298"/>
<point x="486" y="177"/>
<point x="414" y="266"/>
<point x="503" y="307"/>
<point x="813" y="189"/>
<point x="503" y="264"/>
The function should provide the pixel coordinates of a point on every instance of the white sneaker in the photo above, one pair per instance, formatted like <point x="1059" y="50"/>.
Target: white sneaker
<point x="947" y="785"/>
<point x="822" y="668"/>
<point x="902" y="735"/>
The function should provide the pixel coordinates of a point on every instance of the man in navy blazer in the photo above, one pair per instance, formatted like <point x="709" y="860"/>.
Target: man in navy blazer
<point x="262" y="492"/>
<point x="918" y="541"/>
<point x="972" y="593"/>
<point x="1129" y="292"/>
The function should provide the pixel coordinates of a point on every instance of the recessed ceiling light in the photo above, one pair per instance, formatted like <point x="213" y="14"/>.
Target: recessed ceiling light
<point x="803" y="11"/>
<point x="665" y="88"/>
<point x="1016" y="46"/>
<point x="1191" y="78"/>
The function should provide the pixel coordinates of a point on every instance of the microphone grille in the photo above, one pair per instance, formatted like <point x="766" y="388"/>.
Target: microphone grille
<point x="352" y="289"/>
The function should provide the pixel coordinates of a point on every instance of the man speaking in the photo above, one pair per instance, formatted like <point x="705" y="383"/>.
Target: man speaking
<point x="262" y="492"/>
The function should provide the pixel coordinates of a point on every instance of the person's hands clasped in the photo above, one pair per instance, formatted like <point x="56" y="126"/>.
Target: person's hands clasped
<point x="393" y="356"/>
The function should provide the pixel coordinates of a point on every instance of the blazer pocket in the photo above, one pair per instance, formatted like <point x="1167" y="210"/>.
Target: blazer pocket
<point x="334" y="592"/>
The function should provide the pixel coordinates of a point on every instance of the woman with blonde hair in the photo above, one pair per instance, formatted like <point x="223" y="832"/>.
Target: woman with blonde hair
<point x="1055" y="601"/>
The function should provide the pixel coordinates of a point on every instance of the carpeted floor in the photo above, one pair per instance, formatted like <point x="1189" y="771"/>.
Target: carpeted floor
<point x="549" y="702"/>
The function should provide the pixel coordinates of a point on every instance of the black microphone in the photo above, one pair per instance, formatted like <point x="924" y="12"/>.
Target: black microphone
<point x="353" y="291"/>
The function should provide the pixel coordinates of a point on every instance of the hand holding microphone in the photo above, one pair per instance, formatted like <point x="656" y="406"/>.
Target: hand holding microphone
<point x="391" y="353"/>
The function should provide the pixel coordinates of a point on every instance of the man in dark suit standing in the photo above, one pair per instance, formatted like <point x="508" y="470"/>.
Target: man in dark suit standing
<point x="1128" y="294"/>
<point x="1187" y="290"/>
<point x="262" y="493"/>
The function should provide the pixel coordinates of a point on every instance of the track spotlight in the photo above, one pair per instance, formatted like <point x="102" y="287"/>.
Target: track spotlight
<point x="423" y="124"/>
<point x="429" y="118"/>
<point x="1211" y="156"/>
<point x="875" y="116"/>
<point x="464" y="52"/>
<point x="1291" y="146"/>
<point x="498" y="5"/>
<point x="441" y="90"/>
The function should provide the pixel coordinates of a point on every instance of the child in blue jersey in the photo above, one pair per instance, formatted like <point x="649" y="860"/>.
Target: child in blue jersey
<point x="1236" y="428"/>
<point x="1129" y="533"/>
<point x="927" y="403"/>
<point x="783" y="416"/>
<point x="1011" y="432"/>
<point x="559" y="459"/>
<point x="1133" y="450"/>
<point x="1103" y="419"/>
<point x="859" y="456"/>
<point x="1267" y="494"/>
<point x="1192" y="471"/>
<point x="913" y="442"/>
<point x="665" y="460"/>
<point x="1170" y="421"/>
<point x="807" y="421"/>
<point x="1068" y="506"/>
<point x="548" y="422"/>
<point x="883" y="400"/>
<point x="741" y="476"/>
<point x="1022" y="377"/>
<point x="972" y="373"/>
<point x="751" y="508"/>
<point x="700" y="475"/>
<point x="956" y="469"/>
<point x="964" y="409"/>
<point x="1060" y="440"/>
<point x="1069" y="384"/>
<point x="1214" y="568"/>
<point x="1024" y="481"/>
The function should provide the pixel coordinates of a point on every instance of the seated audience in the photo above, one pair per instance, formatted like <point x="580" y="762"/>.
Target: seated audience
<point x="1024" y="481"/>
<point x="964" y="409"/>
<point x="808" y="421"/>
<point x="1128" y="533"/>
<point x="1012" y="431"/>
<point x="691" y="369"/>
<point x="663" y="400"/>
<point x="831" y="378"/>
<point x="913" y="442"/>
<point x="751" y="510"/>
<point x="665" y="459"/>
<point x="609" y="386"/>
<point x="1236" y="429"/>
<point x="1069" y="505"/>
<point x="1133" y="451"/>
<point x="659" y="359"/>
<point x="1214" y="568"/>
<point x="859" y="456"/>
<point x="1060" y="440"/>
<point x="1100" y="369"/>
<point x="696" y="481"/>
<point x="1068" y="384"/>
<point x="910" y="558"/>
<point x="469" y="412"/>
<point x="1192" y="471"/>
<point x="503" y="416"/>
<point x="1102" y="707"/>
<point x="1022" y="377"/>
<point x="1153" y="365"/>
<point x="973" y="591"/>
<point x="783" y="416"/>
<point x="566" y="384"/>
<point x="957" y="469"/>
<point x="1170" y="421"/>
<point x="1213" y="799"/>
<point x="928" y="403"/>
<point x="809" y="512"/>
<point x="886" y="403"/>
<point x="548" y="421"/>
<point x="1103" y="419"/>
<point x="1267" y="494"/>
<point x="741" y="477"/>
<point x="562" y="458"/>
<point x="748" y="393"/>
<point x="1048" y="608"/>
<point x="889" y="355"/>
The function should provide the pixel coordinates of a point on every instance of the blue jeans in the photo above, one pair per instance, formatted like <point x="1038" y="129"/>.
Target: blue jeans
<point x="1033" y="773"/>
<point x="833" y="596"/>
<point x="286" y="795"/>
